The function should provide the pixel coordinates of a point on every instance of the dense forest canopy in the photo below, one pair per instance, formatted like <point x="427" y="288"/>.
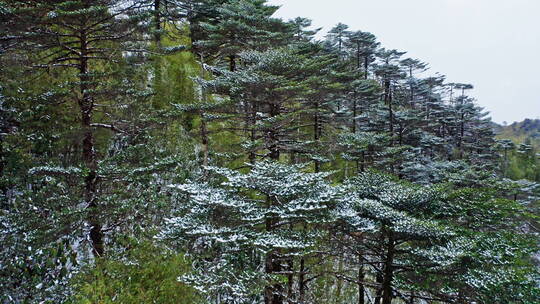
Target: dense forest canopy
<point x="204" y="151"/>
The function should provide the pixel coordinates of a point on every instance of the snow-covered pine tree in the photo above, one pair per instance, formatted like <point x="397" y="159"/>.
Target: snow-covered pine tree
<point x="394" y="218"/>
<point x="244" y="230"/>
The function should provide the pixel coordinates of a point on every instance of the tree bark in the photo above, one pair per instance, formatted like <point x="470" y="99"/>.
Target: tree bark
<point x="366" y="67"/>
<point x="316" y="131"/>
<point x="157" y="21"/>
<point x="388" y="101"/>
<point x="378" y="294"/>
<point x="361" y="275"/>
<point x="388" y="271"/>
<point x="204" y="126"/>
<point x="273" y="293"/>
<point x="358" y="63"/>
<point x="290" y="281"/>
<point x="158" y="72"/>
<point x="232" y="63"/>
<point x="302" y="280"/>
<point x="204" y="139"/>
<point x="86" y="105"/>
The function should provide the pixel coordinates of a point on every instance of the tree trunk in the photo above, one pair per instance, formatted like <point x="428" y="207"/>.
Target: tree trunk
<point x="388" y="101"/>
<point x="411" y="87"/>
<point x="363" y="163"/>
<point x="316" y="131"/>
<point x="157" y="21"/>
<point x="388" y="270"/>
<point x="273" y="293"/>
<point x="290" y="281"/>
<point x="353" y="128"/>
<point x="204" y="139"/>
<point x="251" y="122"/>
<point x="86" y="105"/>
<point x="378" y="294"/>
<point x="361" y="275"/>
<point x="158" y="72"/>
<point x="400" y="134"/>
<point x="302" y="280"/>
<point x="366" y="66"/>
<point x="204" y="125"/>
<point x="232" y="63"/>
<point x="462" y="134"/>
<point x="358" y="63"/>
<point x="339" y="283"/>
<point x="3" y="187"/>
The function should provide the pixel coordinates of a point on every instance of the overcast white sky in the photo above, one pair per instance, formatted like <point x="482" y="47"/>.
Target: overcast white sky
<point x="492" y="44"/>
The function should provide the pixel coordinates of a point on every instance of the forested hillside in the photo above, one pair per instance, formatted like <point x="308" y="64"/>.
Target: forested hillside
<point x="204" y="151"/>
<point x="521" y="144"/>
<point x="527" y="130"/>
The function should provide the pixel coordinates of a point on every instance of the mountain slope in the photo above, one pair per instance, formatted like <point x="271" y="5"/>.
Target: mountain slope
<point x="520" y="132"/>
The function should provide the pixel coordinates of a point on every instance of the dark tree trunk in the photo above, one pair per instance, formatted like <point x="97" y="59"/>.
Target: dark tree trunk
<point x="193" y="18"/>
<point x="232" y="63"/>
<point x="158" y="73"/>
<point x="388" y="101"/>
<point x="316" y="131"/>
<point x="353" y="128"/>
<point x="250" y="125"/>
<point x="358" y="61"/>
<point x="290" y="280"/>
<point x="400" y="134"/>
<point x="388" y="270"/>
<point x="86" y="105"/>
<point x="411" y="87"/>
<point x="462" y="135"/>
<point x="378" y="294"/>
<point x="363" y="163"/>
<point x="204" y="139"/>
<point x="361" y="275"/>
<point x="273" y="293"/>
<point x="302" y="281"/>
<point x="204" y="125"/>
<point x="366" y="67"/>
<point x="3" y="187"/>
<point x="157" y="21"/>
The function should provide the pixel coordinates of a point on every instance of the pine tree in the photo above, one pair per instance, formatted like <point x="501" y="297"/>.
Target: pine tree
<point x="392" y="212"/>
<point x="389" y="72"/>
<point x="253" y="228"/>
<point x="336" y="38"/>
<point x="363" y="47"/>
<point x="266" y="92"/>
<point x="242" y="25"/>
<point x="299" y="29"/>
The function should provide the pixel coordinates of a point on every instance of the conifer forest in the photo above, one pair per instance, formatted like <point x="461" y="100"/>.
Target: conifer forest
<point x="206" y="151"/>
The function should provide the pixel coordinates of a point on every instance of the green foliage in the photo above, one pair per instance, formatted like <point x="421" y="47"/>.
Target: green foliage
<point x="519" y="146"/>
<point x="145" y="274"/>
